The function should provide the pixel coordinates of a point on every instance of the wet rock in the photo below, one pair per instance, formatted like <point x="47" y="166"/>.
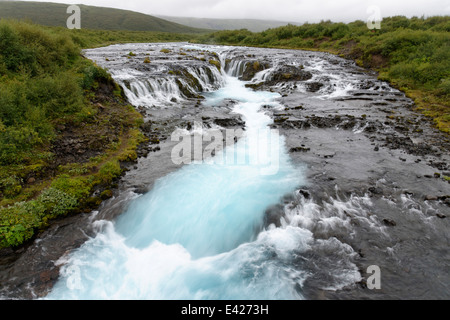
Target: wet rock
<point x="313" y="86"/>
<point x="441" y="216"/>
<point x="147" y="127"/>
<point x="140" y="190"/>
<point x="431" y="198"/>
<point x="230" y="122"/>
<point x="251" y="69"/>
<point x="255" y="86"/>
<point x="375" y="190"/>
<point x="305" y="194"/>
<point x="299" y="149"/>
<point x="389" y="222"/>
<point x="289" y="73"/>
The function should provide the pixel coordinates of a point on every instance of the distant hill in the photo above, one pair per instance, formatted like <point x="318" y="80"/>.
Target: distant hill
<point x="54" y="14"/>
<point x="253" y="25"/>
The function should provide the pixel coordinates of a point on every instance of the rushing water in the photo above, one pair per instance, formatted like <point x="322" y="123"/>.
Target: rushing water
<point x="197" y="233"/>
<point x="237" y="225"/>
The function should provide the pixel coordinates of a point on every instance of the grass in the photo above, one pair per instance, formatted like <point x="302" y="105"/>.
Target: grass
<point x="412" y="54"/>
<point x="97" y="18"/>
<point x="51" y="94"/>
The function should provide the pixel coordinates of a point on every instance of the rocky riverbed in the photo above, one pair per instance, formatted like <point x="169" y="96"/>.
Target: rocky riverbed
<point x="377" y="189"/>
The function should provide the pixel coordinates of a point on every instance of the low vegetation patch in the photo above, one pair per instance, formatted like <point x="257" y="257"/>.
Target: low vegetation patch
<point x="66" y="131"/>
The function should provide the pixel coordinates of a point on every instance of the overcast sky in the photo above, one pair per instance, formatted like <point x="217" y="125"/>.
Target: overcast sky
<point x="284" y="10"/>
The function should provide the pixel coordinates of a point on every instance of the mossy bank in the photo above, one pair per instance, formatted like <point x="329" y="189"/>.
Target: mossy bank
<point x="66" y="131"/>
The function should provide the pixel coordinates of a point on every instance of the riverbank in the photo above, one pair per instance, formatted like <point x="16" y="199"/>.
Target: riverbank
<point x="67" y="133"/>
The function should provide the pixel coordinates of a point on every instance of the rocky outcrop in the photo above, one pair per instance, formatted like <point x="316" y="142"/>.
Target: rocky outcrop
<point x="289" y="73"/>
<point x="252" y="68"/>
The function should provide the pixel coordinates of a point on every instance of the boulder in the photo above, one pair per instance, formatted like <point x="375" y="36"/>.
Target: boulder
<point x="289" y="73"/>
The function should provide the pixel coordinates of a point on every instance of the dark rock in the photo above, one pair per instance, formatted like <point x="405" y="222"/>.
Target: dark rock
<point x="230" y="122"/>
<point x="305" y="194"/>
<point x="252" y="68"/>
<point x="313" y="86"/>
<point x="147" y="127"/>
<point x="441" y="216"/>
<point x="375" y="190"/>
<point x="289" y="73"/>
<point x="299" y="149"/>
<point x="140" y="190"/>
<point x="389" y="222"/>
<point x="430" y="198"/>
<point x="254" y="86"/>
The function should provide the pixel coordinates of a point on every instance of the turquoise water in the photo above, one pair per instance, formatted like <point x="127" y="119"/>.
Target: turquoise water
<point x="198" y="234"/>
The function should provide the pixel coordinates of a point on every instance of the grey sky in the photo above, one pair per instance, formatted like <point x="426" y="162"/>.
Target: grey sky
<point x="284" y="10"/>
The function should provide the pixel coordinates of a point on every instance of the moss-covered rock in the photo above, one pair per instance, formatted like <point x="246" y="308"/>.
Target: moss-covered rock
<point x="289" y="73"/>
<point x="251" y="69"/>
<point x="216" y="63"/>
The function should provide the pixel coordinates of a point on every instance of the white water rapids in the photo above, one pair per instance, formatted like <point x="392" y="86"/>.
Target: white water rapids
<point x="200" y="232"/>
<point x="195" y="235"/>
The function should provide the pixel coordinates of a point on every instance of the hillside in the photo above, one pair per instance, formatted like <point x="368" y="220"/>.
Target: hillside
<point x="54" y="14"/>
<point x="65" y="130"/>
<point x="253" y="25"/>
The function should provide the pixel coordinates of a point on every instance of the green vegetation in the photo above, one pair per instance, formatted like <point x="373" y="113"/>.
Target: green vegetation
<point x="87" y="38"/>
<point x="50" y="94"/>
<point x="54" y="14"/>
<point x="215" y="63"/>
<point x="254" y="25"/>
<point x="412" y="54"/>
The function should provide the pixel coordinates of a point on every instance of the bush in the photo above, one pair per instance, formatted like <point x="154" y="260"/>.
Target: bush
<point x="444" y="87"/>
<point x="109" y="172"/>
<point x="76" y="187"/>
<point x="11" y="186"/>
<point x="18" y="222"/>
<point x="92" y="75"/>
<point x="57" y="203"/>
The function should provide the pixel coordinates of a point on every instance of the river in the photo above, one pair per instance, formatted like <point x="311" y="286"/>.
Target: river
<point x="294" y="180"/>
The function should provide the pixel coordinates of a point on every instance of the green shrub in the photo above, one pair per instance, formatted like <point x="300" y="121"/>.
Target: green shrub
<point x="18" y="222"/>
<point x="11" y="186"/>
<point x="444" y="87"/>
<point x="77" y="187"/>
<point x="57" y="202"/>
<point x="92" y="75"/>
<point x="109" y="171"/>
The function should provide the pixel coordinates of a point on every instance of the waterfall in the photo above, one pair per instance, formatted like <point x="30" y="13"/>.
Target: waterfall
<point x="199" y="232"/>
